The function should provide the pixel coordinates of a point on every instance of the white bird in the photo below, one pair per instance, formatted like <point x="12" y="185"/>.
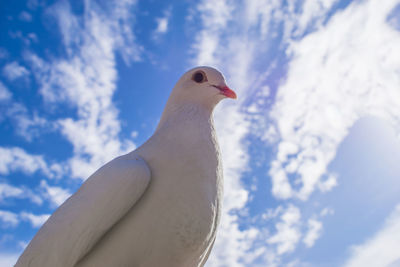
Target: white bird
<point x="156" y="206"/>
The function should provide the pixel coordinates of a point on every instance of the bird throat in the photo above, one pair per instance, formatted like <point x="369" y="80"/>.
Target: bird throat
<point x="175" y="115"/>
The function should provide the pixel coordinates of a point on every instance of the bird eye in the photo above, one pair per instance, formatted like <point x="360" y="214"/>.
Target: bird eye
<point x="199" y="77"/>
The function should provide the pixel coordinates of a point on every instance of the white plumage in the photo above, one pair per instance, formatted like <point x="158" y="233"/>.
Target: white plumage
<point x="159" y="205"/>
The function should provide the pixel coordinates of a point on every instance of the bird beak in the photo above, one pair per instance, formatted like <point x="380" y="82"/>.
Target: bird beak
<point x="226" y="91"/>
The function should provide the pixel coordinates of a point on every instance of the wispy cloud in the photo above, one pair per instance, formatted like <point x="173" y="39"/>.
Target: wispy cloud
<point x="35" y="220"/>
<point x="16" y="159"/>
<point x="162" y="24"/>
<point x="313" y="232"/>
<point x="9" y="219"/>
<point x="28" y="124"/>
<point x="5" y="94"/>
<point x="55" y="194"/>
<point x="304" y="17"/>
<point x="9" y="191"/>
<point x="288" y="232"/>
<point x="87" y="79"/>
<point x="14" y="70"/>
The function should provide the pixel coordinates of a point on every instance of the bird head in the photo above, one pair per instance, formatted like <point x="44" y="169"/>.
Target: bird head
<point x="202" y="85"/>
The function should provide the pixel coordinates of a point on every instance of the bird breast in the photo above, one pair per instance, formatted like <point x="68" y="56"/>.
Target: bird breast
<point x="175" y="221"/>
<point x="187" y="177"/>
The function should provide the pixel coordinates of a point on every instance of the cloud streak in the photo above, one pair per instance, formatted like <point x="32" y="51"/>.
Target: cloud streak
<point x="36" y="220"/>
<point x="9" y="219"/>
<point x="16" y="159"/>
<point x="5" y="94"/>
<point x="8" y="191"/>
<point x="287" y="231"/>
<point x="14" y="70"/>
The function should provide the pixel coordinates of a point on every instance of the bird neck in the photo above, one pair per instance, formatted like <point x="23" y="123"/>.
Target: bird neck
<point x="175" y="115"/>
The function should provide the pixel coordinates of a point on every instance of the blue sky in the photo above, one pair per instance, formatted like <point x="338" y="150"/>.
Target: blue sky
<point x="310" y="148"/>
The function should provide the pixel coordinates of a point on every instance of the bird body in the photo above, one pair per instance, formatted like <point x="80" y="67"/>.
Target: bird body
<point x="179" y="233"/>
<point x="156" y="206"/>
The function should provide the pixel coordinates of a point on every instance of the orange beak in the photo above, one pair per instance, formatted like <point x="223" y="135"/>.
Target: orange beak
<point x="226" y="91"/>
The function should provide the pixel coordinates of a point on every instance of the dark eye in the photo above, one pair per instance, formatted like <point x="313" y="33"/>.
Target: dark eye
<point x="199" y="77"/>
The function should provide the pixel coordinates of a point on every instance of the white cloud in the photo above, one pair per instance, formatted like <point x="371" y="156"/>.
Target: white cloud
<point x="9" y="191"/>
<point x="328" y="184"/>
<point x="281" y="187"/>
<point x="272" y="213"/>
<point x="55" y="194"/>
<point x="327" y="211"/>
<point x="16" y="159"/>
<point x="312" y="15"/>
<point x="329" y="87"/>
<point x="27" y="125"/>
<point x="288" y="232"/>
<point x="13" y="71"/>
<point x="87" y="80"/>
<point x="382" y="249"/>
<point x="120" y="21"/>
<point x="313" y="233"/>
<point x="9" y="219"/>
<point x="36" y="220"/>
<point x="214" y="17"/>
<point x="162" y="24"/>
<point x="5" y="94"/>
